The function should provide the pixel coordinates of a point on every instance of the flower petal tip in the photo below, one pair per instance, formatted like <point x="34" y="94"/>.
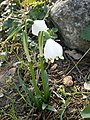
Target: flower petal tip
<point x="61" y="57"/>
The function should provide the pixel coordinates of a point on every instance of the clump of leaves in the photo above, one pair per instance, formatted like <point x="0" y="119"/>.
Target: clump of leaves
<point x="38" y="12"/>
<point x="85" y="34"/>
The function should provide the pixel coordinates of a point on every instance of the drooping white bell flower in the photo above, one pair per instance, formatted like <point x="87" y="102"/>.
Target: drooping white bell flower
<point x="39" y="25"/>
<point x="53" y="50"/>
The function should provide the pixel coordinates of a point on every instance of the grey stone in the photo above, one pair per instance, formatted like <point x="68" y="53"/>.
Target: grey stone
<point x="71" y="17"/>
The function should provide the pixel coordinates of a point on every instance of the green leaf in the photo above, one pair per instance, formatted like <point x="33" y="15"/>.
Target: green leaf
<point x="20" y="93"/>
<point x="48" y="107"/>
<point x="44" y="106"/>
<point x="37" y="90"/>
<point x="46" y="84"/>
<point x="28" y="93"/>
<point x="46" y="36"/>
<point x="52" y="33"/>
<point x="7" y="23"/>
<point x="86" y="112"/>
<point x="30" y="98"/>
<point x="12" y="34"/>
<point x="85" y="34"/>
<point x="51" y="108"/>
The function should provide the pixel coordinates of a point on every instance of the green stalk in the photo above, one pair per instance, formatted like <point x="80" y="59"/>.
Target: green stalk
<point x="40" y="42"/>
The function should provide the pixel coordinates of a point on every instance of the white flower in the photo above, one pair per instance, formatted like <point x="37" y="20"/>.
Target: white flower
<point x="87" y="85"/>
<point x="52" y="50"/>
<point x="39" y="25"/>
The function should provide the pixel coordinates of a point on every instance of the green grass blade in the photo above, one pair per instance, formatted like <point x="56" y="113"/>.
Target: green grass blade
<point x="12" y="113"/>
<point x="64" y="108"/>
<point x="12" y="34"/>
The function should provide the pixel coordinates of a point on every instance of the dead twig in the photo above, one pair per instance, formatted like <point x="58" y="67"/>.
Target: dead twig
<point x="78" y="62"/>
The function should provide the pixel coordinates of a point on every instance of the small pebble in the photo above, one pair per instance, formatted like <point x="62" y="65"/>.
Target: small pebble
<point x="67" y="81"/>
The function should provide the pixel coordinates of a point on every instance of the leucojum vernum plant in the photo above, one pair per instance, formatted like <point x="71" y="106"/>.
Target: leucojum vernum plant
<point x="52" y="50"/>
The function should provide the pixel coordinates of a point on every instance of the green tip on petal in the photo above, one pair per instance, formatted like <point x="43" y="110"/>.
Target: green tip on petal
<point x="61" y="57"/>
<point x="56" y="57"/>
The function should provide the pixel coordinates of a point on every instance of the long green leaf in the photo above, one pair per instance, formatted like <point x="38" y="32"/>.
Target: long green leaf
<point x="34" y="98"/>
<point x="12" y="34"/>
<point x="46" y="84"/>
<point x="21" y="94"/>
<point x="38" y="92"/>
<point x="29" y="95"/>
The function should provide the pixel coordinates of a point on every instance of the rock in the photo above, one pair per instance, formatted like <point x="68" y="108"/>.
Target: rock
<point x="73" y="54"/>
<point x="71" y="17"/>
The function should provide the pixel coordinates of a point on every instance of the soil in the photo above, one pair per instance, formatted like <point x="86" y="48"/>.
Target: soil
<point x="74" y="93"/>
